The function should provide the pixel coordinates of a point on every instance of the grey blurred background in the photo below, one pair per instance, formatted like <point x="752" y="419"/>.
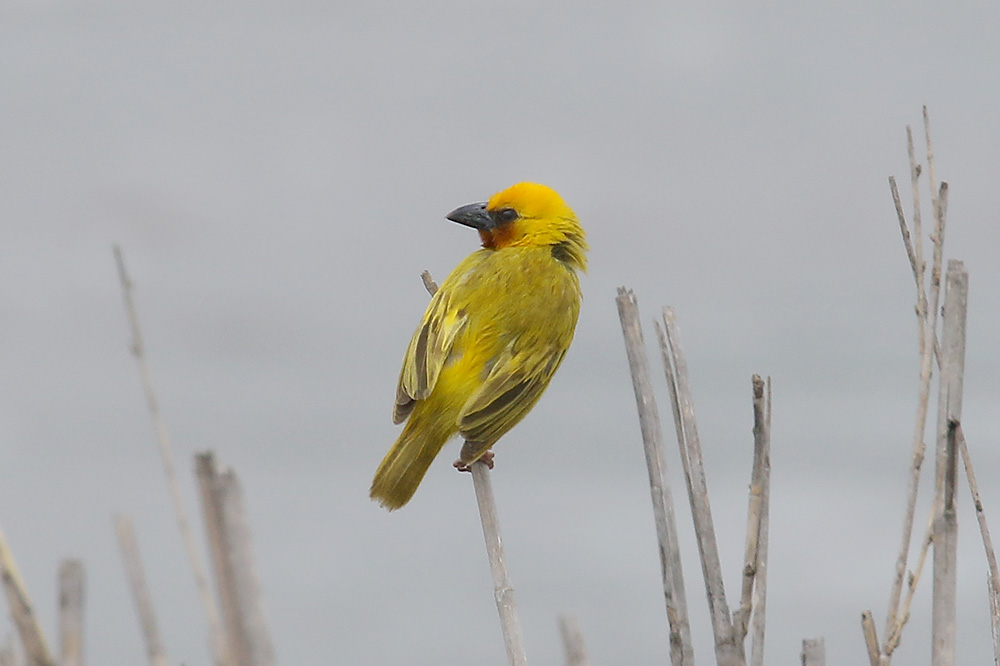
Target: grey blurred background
<point x="278" y="173"/>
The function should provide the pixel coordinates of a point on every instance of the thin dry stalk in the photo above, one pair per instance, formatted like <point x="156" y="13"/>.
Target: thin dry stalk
<point x="741" y="617"/>
<point x="71" y="602"/>
<point x="32" y="637"/>
<point x="871" y="637"/>
<point x="503" y="590"/>
<point x="994" y="619"/>
<point x="944" y="603"/>
<point x="905" y="231"/>
<point x="813" y="652"/>
<point x="941" y="217"/>
<point x="728" y="650"/>
<point x="930" y="156"/>
<point x="217" y="641"/>
<point x="919" y="447"/>
<point x="681" y="647"/>
<point x="759" y="604"/>
<point x="903" y="616"/>
<point x="572" y="637"/>
<point x="927" y="340"/>
<point x="984" y="530"/>
<point x="918" y="230"/>
<point x="140" y="591"/>
<point x="903" y="613"/>
<point x="217" y="547"/>
<point x="429" y="284"/>
<point x="232" y="556"/>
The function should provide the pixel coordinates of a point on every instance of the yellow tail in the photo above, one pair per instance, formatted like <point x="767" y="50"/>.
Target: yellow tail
<point x="404" y="466"/>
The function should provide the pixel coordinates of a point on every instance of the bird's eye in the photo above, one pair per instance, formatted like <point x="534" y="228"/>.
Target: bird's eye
<point x="506" y="215"/>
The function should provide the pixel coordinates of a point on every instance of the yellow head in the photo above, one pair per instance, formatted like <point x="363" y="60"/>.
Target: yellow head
<point x="527" y="215"/>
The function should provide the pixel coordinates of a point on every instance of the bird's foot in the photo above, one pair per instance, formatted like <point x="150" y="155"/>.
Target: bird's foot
<point x="463" y="466"/>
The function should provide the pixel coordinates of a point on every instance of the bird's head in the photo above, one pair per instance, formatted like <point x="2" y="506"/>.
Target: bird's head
<point x="527" y="215"/>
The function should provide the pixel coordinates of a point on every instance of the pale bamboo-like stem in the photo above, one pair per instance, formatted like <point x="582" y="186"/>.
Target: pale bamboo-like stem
<point x="36" y="649"/>
<point x="813" y="652"/>
<point x="939" y="207"/>
<point x="236" y="578"/>
<point x="429" y="284"/>
<point x="71" y="603"/>
<point x="994" y="619"/>
<point x="903" y="616"/>
<point x="241" y="555"/>
<point x="918" y="231"/>
<point x="140" y="591"/>
<point x="940" y="219"/>
<point x="871" y="637"/>
<point x="904" y="230"/>
<point x="225" y="585"/>
<point x="681" y="646"/>
<point x="984" y="530"/>
<point x="503" y="589"/>
<point x="919" y="447"/>
<point x="927" y="339"/>
<point x="759" y="604"/>
<point x="741" y="617"/>
<point x="572" y="637"/>
<point x="930" y="159"/>
<point x="944" y="602"/>
<point x="728" y="650"/>
<point x="217" y="641"/>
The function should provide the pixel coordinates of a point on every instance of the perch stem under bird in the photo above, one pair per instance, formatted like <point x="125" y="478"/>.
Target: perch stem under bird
<point x="492" y="337"/>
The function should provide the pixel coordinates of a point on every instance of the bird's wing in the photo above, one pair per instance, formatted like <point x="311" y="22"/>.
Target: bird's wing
<point x="512" y="388"/>
<point x="429" y="349"/>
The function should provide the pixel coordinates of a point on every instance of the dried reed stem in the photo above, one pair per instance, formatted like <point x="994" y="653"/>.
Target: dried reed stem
<point x="903" y="616"/>
<point x="741" y="617"/>
<point x="984" y="530"/>
<point x="72" y="584"/>
<point x="927" y="340"/>
<point x="813" y="652"/>
<point x="217" y="640"/>
<point x="918" y="231"/>
<point x="930" y="157"/>
<point x="728" y="650"/>
<point x="503" y="589"/>
<point x="681" y="647"/>
<point x="871" y="637"/>
<point x="36" y="649"/>
<point x="140" y="591"/>
<point x="944" y="603"/>
<point x="572" y="637"/>
<point x="994" y="619"/>
<point x="762" y="440"/>
<point x="237" y="583"/>
<point x="429" y="284"/>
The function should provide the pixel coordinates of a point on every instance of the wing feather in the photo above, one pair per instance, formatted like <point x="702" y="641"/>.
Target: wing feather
<point x="427" y="353"/>
<point x="514" y="385"/>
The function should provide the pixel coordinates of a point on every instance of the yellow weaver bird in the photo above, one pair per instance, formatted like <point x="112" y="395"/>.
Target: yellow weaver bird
<point x="492" y="337"/>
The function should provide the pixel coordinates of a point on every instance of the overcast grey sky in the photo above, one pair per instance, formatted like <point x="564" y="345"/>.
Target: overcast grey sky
<point x="278" y="176"/>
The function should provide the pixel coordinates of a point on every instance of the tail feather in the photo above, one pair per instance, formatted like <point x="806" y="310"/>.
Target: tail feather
<point x="403" y="468"/>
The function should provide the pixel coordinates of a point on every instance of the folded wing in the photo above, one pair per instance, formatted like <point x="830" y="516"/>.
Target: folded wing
<point x="516" y="381"/>
<point x="428" y="351"/>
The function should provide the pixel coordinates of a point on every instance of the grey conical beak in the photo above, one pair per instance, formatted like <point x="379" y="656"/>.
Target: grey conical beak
<point x="473" y="215"/>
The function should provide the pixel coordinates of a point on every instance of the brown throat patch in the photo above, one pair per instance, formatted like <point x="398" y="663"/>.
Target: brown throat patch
<point x="499" y="238"/>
